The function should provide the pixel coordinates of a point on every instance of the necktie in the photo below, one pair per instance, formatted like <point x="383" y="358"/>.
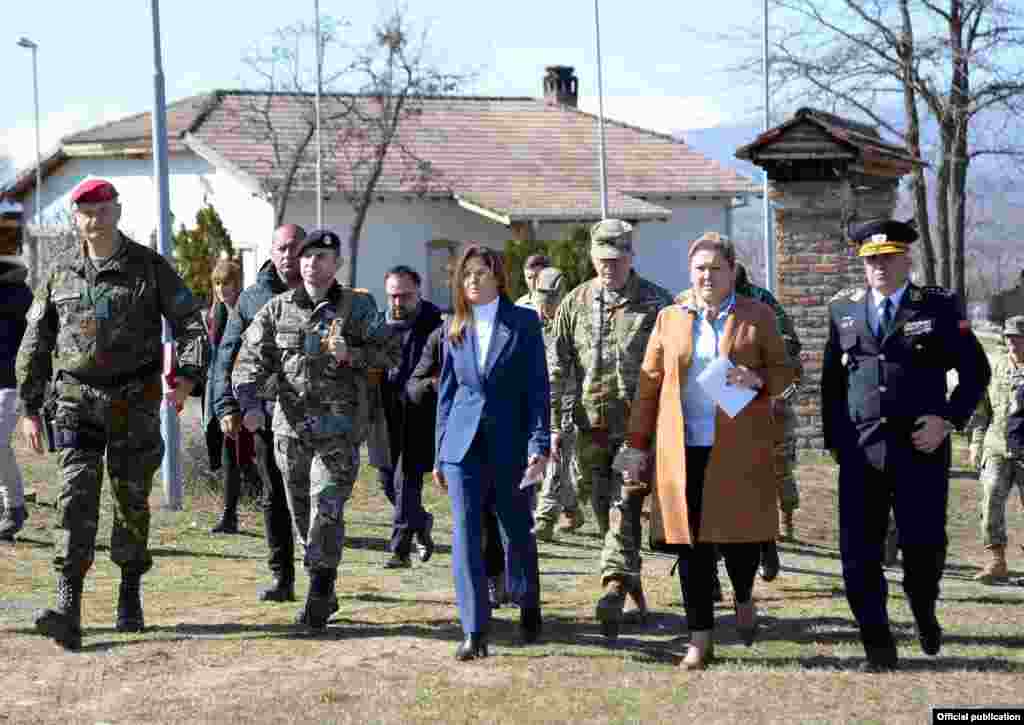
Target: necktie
<point x="885" y="323"/>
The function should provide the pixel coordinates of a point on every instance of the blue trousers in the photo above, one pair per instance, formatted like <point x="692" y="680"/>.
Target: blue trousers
<point x="473" y="485"/>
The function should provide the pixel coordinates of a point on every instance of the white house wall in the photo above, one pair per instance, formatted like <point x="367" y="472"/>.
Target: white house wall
<point x="397" y="232"/>
<point x="193" y="182"/>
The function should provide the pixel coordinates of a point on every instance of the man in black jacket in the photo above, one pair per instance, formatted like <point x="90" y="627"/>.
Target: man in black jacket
<point x="411" y="452"/>
<point x="15" y="300"/>
<point x="278" y="275"/>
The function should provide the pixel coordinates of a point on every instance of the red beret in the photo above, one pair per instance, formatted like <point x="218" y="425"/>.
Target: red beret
<point x="93" y="191"/>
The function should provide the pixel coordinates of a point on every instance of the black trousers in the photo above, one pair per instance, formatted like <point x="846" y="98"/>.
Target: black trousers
<point x="406" y="494"/>
<point x="697" y="562"/>
<point x="224" y="458"/>
<point x="277" y="521"/>
<point x="494" y="550"/>
<point x="915" y="486"/>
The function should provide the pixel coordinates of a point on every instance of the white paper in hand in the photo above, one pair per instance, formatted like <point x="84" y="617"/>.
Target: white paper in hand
<point x="730" y="398"/>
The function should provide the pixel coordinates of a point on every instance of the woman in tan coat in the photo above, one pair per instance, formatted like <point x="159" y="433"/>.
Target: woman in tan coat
<point x="714" y="476"/>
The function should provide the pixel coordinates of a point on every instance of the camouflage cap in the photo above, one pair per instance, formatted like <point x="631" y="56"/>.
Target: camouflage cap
<point x="611" y="239"/>
<point x="1014" y="326"/>
<point x="549" y="282"/>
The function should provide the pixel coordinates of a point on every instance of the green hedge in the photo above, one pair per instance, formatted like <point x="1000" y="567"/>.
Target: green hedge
<point x="571" y="255"/>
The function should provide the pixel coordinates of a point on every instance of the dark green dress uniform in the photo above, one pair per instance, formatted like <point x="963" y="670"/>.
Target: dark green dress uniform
<point x="875" y="385"/>
<point x="99" y="331"/>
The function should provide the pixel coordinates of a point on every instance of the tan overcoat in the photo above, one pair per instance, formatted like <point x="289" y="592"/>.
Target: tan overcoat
<point x="739" y="486"/>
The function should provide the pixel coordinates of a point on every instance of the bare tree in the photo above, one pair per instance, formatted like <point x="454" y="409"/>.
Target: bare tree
<point x="954" y="63"/>
<point x="371" y="109"/>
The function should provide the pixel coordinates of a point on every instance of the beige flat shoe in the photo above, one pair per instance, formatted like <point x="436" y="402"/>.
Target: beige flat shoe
<point x="700" y="652"/>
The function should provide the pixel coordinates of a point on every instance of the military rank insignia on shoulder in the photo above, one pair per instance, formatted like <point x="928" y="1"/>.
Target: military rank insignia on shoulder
<point x="853" y="294"/>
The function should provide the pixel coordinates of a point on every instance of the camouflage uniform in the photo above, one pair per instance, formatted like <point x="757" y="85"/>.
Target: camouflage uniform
<point x="600" y="341"/>
<point x="1002" y="465"/>
<point x="558" y="492"/>
<point x="785" y="449"/>
<point x="99" y="330"/>
<point x="322" y="410"/>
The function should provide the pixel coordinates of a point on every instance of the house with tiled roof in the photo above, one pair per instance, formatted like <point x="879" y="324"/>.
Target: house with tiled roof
<point x="498" y="168"/>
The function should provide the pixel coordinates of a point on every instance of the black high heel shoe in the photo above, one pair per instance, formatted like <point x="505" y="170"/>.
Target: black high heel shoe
<point x="471" y="648"/>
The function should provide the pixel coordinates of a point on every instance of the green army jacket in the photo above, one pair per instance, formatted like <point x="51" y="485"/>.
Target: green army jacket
<point x="103" y="327"/>
<point x="316" y="396"/>
<point x="988" y="426"/>
<point x="598" y="363"/>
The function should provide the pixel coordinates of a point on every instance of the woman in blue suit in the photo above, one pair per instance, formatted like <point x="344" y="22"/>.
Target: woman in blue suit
<point x="493" y="416"/>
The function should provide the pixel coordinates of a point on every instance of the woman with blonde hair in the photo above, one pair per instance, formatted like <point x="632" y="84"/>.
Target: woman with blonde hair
<point x="226" y="284"/>
<point x="714" y="478"/>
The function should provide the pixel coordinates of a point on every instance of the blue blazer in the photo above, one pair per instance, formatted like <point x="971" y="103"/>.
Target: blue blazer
<point x="510" y="398"/>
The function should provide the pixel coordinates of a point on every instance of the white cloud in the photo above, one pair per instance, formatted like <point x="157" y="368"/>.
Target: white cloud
<point x="19" y="142"/>
<point x="665" y="114"/>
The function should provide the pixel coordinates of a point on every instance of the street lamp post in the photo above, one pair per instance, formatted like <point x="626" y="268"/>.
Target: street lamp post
<point x="26" y="43"/>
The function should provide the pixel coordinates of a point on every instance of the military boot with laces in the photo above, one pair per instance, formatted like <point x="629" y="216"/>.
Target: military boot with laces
<point x="609" y="608"/>
<point x="63" y="623"/>
<point x="129" y="604"/>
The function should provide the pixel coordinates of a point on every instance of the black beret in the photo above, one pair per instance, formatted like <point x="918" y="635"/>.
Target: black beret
<point x="321" y="239"/>
<point x="883" y="236"/>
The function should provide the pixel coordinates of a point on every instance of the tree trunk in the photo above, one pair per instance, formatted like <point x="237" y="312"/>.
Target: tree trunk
<point x="918" y="182"/>
<point x="354" y="234"/>
<point x="284" y="191"/>
<point x="942" y="184"/>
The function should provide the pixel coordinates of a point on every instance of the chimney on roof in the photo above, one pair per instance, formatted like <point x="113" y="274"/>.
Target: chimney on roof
<point x="561" y="86"/>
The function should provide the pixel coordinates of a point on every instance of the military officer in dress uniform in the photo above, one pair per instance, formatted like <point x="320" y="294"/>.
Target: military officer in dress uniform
<point x="887" y="421"/>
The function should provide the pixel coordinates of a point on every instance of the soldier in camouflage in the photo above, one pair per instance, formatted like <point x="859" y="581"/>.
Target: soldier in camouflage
<point x="782" y="410"/>
<point x="531" y="269"/>
<point x="994" y="448"/>
<point x="319" y="339"/>
<point x="601" y="332"/>
<point x="95" y="329"/>
<point x="557" y="494"/>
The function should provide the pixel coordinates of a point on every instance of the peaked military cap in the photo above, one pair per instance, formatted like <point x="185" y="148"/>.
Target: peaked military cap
<point x="611" y="239"/>
<point x="320" y="239"/>
<point x="549" y="282"/>
<point x="882" y="236"/>
<point x="1014" y="326"/>
<point x="93" y="191"/>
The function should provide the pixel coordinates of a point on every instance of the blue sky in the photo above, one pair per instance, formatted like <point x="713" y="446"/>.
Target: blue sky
<point x="96" y="59"/>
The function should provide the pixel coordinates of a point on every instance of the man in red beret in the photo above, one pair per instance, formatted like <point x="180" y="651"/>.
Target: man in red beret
<point x="96" y="323"/>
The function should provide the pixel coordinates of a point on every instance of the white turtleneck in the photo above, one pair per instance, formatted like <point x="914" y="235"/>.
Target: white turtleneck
<point x="483" y="321"/>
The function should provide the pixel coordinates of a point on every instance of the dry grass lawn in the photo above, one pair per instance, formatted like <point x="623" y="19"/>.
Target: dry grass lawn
<point x="212" y="653"/>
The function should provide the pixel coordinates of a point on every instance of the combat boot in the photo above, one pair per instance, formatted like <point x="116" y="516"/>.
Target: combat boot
<point x="129" y="604"/>
<point x="321" y="601"/>
<point x="574" y="521"/>
<point x="63" y="624"/>
<point x="788" y="530"/>
<point x="544" y="530"/>
<point x="11" y="522"/>
<point x="636" y="595"/>
<point x="281" y="589"/>
<point x="996" y="570"/>
<point x="609" y="608"/>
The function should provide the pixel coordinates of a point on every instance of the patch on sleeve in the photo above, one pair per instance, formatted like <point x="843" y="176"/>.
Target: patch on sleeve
<point x="937" y="291"/>
<point x="854" y="294"/>
<point x="36" y="311"/>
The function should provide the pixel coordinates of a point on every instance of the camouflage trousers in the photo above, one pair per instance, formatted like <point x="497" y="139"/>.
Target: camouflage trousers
<point x="620" y="557"/>
<point x="785" y="463"/>
<point x="999" y="476"/>
<point x="124" y="424"/>
<point x="558" y="493"/>
<point x="318" y="478"/>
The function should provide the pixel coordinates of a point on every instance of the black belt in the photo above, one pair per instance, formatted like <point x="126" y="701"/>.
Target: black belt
<point x="117" y="381"/>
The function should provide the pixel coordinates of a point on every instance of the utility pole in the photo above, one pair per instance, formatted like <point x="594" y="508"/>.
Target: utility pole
<point x="600" y="116"/>
<point x="170" y="468"/>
